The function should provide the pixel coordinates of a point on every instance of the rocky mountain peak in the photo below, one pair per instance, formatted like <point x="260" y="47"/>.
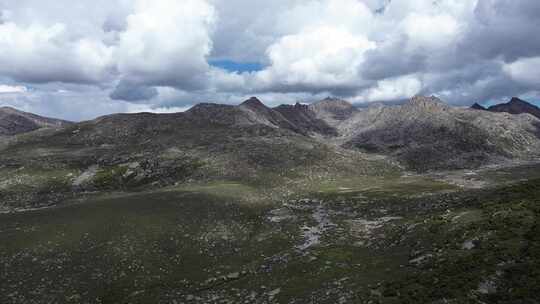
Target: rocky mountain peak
<point x="253" y="102"/>
<point x="517" y="101"/>
<point x="516" y="106"/>
<point x="305" y="120"/>
<point x="426" y="104"/>
<point x="333" y="109"/>
<point x="300" y="106"/>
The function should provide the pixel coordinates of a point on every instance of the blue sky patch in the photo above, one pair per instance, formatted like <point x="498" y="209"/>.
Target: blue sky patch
<point x="535" y="102"/>
<point x="233" y="66"/>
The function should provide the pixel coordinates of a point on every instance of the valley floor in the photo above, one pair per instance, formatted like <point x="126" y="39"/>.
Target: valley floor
<point x="458" y="237"/>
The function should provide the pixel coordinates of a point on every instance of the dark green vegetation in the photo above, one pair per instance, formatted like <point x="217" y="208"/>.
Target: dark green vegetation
<point x="248" y="204"/>
<point x="257" y="145"/>
<point x="486" y="251"/>
<point x="393" y="240"/>
<point x="138" y="153"/>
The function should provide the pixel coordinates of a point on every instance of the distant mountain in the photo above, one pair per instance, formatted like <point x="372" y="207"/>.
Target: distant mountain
<point x="427" y="134"/>
<point x="257" y="144"/>
<point x="477" y="106"/>
<point x="298" y="118"/>
<point x="213" y="141"/>
<point x="207" y="142"/>
<point x="262" y="114"/>
<point x="13" y="121"/>
<point x="516" y="106"/>
<point x="333" y="110"/>
<point x="305" y="119"/>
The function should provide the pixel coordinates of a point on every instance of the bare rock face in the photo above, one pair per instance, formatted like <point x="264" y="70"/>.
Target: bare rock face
<point x="298" y="118"/>
<point x="254" y="103"/>
<point x="425" y="133"/>
<point x="516" y="106"/>
<point x="333" y="110"/>
<point x="306" y="120"/>
<point x="13" y="122"/>
<point x="262" y="114"/>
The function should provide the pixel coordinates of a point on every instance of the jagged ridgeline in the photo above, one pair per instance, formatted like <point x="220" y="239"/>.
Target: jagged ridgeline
<point x="423" y="134"/>
<point x="427" y="134"/>
<point x="248" y="143"/>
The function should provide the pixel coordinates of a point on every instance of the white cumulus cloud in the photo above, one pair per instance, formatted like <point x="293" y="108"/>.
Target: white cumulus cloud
<point x="166" y="43"/>
<point x="121" y="55"/>
<point x="392" y="89"/>
<point x="38" y="53"/>
<point x="12" y="89"/>
<point x="317" y="57"/>
<point x="525" y="71"/>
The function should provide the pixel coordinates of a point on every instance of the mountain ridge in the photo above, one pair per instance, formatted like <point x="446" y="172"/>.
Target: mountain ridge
<point x="253" y="143"/>
<point x="424" y="133"/>
<point x="333" y="110"/>
<point x="13" y="121"/>
<point x="516" y="106"/>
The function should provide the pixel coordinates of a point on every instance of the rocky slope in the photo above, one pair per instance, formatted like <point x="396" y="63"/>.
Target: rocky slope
<point x="305" y="120"/>
<point x="298" y="119"/>
<point x="333" y="111"/>
<point x="516" y="106"/>
<point x="14" y="122"/>
<point x="426" y="134"/>
<point x="210" y="142"/>
<point x="264" y="206"/>
<point x="257" y="144"/>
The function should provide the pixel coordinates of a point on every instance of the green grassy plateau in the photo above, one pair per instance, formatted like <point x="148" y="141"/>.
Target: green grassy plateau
<point x="388" y="239"/>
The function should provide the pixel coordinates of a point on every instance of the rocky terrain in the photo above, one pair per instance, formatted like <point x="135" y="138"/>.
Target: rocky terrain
<point x="255" y="143"/>
<point x="306" y="120"/>
<point x="400" y="239"/>
<point x="249" y="142"/>
<point x="320" y="203"/>
<point x="14" y="122"/>
<point x="333" y="111"/>
<point x="426" y="134"/>
<point x="516" y="106"/>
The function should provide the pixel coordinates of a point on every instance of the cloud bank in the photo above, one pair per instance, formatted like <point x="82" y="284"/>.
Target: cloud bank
<point x="81" y="59"/>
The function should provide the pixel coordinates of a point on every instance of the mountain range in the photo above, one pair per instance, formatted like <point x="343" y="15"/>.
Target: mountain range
<point x="423" y="134"/>
<point x="247" y="203"/>
<point x="514" y="106"/>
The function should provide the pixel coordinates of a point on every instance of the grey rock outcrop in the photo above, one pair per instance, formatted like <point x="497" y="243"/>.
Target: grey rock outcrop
<point x="13" y="122"/>
<point x="426" y="133"/>
<point x="516" y="106"/>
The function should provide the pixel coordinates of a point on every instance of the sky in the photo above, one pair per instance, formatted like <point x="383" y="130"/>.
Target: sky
<point x="81" y="59"/>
